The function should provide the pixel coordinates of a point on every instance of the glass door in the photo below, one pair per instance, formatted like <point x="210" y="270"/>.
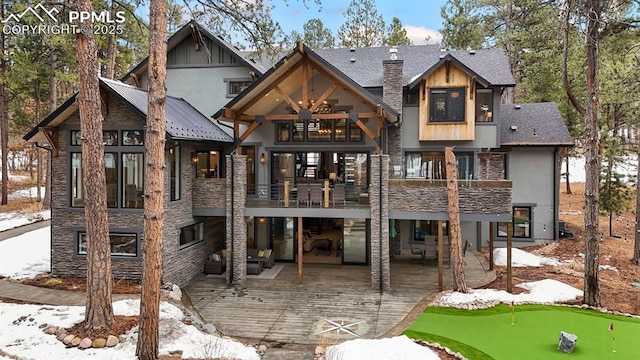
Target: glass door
<point x="282" y="238"/>
<point x="355" y="244"/>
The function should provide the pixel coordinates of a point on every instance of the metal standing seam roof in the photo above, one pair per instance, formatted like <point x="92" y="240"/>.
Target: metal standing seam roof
<point x="183" y="121"/>
<point x="533" y="124"/>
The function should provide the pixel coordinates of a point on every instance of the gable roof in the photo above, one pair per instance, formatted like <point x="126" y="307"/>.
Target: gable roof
<point x="183" y="121"/>
<point x="533" y="124"/>
<point x="366" y="67"/>
<point x="289" y="62"/>
<point x="187" y="30"/>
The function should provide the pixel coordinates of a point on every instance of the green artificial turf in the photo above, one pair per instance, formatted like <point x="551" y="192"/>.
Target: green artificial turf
<point x="488" y="334"/>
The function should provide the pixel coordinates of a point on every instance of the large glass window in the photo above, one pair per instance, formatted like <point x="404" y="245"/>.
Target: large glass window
<point x="77" y="189"/>
<point x="431" y="165"/>
<point x="318" y="130"/>
<point x="208" y="164"/>
<point x="176" y="178"/>
<point x="122" y="244"/>
<point x="521" y="222"/>
<point x="236" y="87"/>
<point x="484" y="105"/>
<point x="132" y="180"/>
<point x="111" y="177"/>
<point x="189" y="235"/>
<point x="447" y="105"/>
<point x="423" y="228"/>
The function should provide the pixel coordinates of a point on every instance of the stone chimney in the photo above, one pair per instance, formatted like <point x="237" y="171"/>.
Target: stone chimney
<point x="392" y="95"/>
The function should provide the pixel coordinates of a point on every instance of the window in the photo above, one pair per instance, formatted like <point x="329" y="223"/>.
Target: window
<point x="447" y="105"/>
<point x="284" y="132"/>
<point x="124" y="173"/>
<point x="318" y="130"/>
<point x="423" y="228"/>
<point x="521" y="223"/>
<point x="236" y="87"/>
<point x="176" y="176"/>
<point x="208" y="164"/>
<point x="191" y="235"/>
<point x="484" y="105"/>
<point x="410" y="98"/>
<point x="431" y="165"/>
<point x="122" y="244"/>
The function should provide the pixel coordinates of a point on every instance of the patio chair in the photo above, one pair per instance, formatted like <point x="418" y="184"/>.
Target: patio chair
<point x="315" y="193"/>
<point x="417" y="250"/>
<point x="339" y="193"/>
<point x="303" y="193"/>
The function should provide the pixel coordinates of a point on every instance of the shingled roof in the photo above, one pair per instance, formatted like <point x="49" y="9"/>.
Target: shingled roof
<point x="364" y="65"/>
<point x="533" y="124"/>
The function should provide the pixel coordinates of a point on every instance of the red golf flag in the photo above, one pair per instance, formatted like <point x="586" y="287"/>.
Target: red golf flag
<point x="611" y="327"/>
<point x="512" y="304"/>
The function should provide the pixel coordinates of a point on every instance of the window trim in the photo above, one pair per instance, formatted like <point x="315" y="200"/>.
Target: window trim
<point x="124" y="232"/>
<point x="175" y="163"/>
<point x="229" y="81"/>
<point x="447" y="91"/>
<point x="182" y="246"/>
<point x="491" y="107"/>
<point x="530" y="237"/>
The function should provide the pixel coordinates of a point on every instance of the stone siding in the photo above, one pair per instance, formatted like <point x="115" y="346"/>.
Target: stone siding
<point x="236" y="226"/>
<point x="380" y="270"/>
<point x="392" y="95"/>
<point x="475" y="197"/>
<point x="491" y="166"/>
<point x="209" y="193"/>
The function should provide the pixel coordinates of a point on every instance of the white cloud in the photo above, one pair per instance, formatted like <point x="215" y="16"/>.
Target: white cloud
<point x="418" y="34"/>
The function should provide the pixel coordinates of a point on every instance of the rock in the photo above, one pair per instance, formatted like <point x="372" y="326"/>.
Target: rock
<point x="262" y="349"/>
<point x="85" y="343"/>
<point x="319" y="350"/>
<point x="76" y="341"/>
<point x="584" y="306"/>
<point x="50" y="330"/>
<point x="210" y="328"/>
<point x="61" y="331"/>
<point x="99" y="343"/>
<point x="112" y="341"/>
<point x="61" y="336"/>
<point x="175" y="293"/>
<point x="176" y="353"/>
<point x="567" y="342"/>
<point x="67" y="339"/>
<point x="42" y="326"/>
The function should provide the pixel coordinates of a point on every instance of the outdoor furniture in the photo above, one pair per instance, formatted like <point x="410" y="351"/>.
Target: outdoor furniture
<point x="266" y="257"/>
<point x="339" y="194"/>
<point x="315" y="193"/>
<point x="303" y="193"/>
<point x="216" y="263"/>
<point x="254" y="267"/>
<point x="323" y="245"/>
<point x="417" y="250"/>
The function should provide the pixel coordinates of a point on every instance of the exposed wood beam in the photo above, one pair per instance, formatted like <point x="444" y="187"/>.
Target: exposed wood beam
<point x="228" y="113"/>
<point x="236" y="131"/>
<point x="472" y="88"/>
<point x="323" y="97"/>
<point x="300" y="250"/>
<point x="264" y="92"/>
<point x="52" y="135"/>
<point x="305" y="85"/>
<point x="251" y="128"/>
<point x="286" y="98"/>
<point x="447" y="65"/>
<point x="274" y="117"/>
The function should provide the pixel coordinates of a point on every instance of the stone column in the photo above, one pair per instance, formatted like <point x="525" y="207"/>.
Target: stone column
<point x="379" y="203"/>
<point x="491" y="166"/>
<point x="235" y="225"/>
<point x="392" y="96"/>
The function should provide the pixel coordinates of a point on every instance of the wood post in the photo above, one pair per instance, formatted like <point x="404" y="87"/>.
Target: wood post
<point x="491" y="246"/>
<point x="326" y="193"/>
<point x="509" y="246"/>
<point x="286" y="193"/>
<point x="300" y="250"/>
<point x="440" y="252"/>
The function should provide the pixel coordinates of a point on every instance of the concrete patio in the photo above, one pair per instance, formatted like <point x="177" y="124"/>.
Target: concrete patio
<point x="334" y="303"/>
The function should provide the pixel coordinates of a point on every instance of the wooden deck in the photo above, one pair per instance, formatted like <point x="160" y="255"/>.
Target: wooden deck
<point x="281" y="311"/>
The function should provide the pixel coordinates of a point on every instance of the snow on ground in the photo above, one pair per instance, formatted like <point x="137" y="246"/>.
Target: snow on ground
<point x="627" y="168"/>
<point x="18" y="263"/>
<point x="545" y="291"/>
<point x="14" y="219"/>
<point x="399" y="347"/>
<point x="521" y="258"/>
<point x="28" y="193"/>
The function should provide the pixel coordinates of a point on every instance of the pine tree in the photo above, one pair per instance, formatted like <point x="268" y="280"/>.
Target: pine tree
<point x="396" y="34"/>
<point x="362" y="26"/>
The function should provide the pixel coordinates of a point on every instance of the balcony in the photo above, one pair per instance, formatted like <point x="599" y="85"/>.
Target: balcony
<point x="209" y="193"/>
<point x="475" y="196"/>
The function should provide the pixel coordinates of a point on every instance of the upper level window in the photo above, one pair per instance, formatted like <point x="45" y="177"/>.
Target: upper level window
<point x="208" y="164"/>
<point x="124" y="173"/>
<point x="318" y="130"/>
<point x="447" y="105"/>
<point x="484" y="105"/>
<point x="236" y="87"/>
<point x="410" y="97"/>
<point x="431" y="165"/>
<point x="176" y="175"/>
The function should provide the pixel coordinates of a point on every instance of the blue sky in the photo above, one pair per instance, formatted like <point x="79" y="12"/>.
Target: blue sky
<point x="420" y="18"/>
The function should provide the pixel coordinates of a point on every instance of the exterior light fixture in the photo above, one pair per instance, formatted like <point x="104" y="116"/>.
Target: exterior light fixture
<point x="263" y="159"/>
<point x="194" y="158"/>
<point x="262" y="220"/>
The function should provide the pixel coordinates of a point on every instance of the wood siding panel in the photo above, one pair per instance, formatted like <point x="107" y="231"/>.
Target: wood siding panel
<point x="449" y="130"/>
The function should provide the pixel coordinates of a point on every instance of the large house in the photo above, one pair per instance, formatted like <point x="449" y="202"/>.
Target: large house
<point x="331" y="155"/>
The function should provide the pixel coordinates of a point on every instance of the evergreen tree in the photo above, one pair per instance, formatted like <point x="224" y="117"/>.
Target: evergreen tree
<point x="462" y="25"/>
<point x="396" y="34"/>
<point x="362" y="26"/>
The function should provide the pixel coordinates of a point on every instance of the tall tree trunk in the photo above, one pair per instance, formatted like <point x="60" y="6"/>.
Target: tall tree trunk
<point x="636" y="247"/>
<point x="4" y="117"/>
<point x="454" y="221"/>
<point x="53" y="104"/>
<point x="99" y="310"/>
<point x="148" y="339"/>
<point x="38" y="152"/>
<point x="591" y="262"/>
<point x="111" y="48"/>
<point x="568" y="183"/>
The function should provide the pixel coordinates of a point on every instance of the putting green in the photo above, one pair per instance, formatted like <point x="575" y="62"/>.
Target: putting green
<point x="488" y="333"/>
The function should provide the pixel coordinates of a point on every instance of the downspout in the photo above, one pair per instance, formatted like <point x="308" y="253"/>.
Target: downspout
<point x="556" y="195"/>
<point x="233" y="224"/>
